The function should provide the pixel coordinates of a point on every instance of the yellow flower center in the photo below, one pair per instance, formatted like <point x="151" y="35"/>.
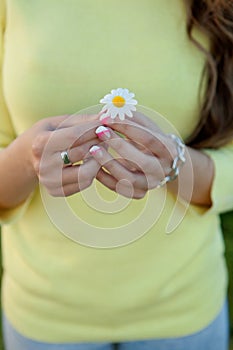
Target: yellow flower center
<point x="118" y="101"/>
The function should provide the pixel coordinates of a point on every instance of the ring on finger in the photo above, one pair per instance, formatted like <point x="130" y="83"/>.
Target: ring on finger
<point x="65" y="158"/>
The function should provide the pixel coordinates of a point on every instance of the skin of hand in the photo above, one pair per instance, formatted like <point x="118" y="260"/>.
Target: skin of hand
<point x="35" y="156"/>
<point x="147" y="155"/>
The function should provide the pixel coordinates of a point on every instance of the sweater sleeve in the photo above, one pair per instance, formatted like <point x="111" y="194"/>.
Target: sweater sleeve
<point x="222" y="188"/>
<point x="7" y="133"/>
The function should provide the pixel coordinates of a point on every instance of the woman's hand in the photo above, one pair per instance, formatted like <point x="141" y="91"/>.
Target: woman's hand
<point x="75" y="135"/>
<point x="35" y="156"/>
<point x="145" y="157"/>
<point x="152" y="153"/>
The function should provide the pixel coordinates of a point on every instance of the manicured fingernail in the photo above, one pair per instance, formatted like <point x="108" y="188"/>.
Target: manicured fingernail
<point x="103" y="133"/>
<point x="96" y="151"/>
<point x="105" y="120"/>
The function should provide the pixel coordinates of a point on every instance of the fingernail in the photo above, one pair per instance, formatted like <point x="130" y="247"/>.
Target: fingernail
<point x="102" y="132"/>
<point x="96" y="151"/>
<point x="105" y="120"/>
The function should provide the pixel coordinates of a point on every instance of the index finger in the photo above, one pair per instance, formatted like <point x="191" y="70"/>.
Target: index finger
<point x="140" y="134"/>
<point x="77" y="119"/>
<point x="140" y="119"/>
<point x="70" y="137"/>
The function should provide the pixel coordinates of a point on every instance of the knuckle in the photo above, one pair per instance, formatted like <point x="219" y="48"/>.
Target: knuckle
<point x="72" y="136"/>
<point x="133" y="179"/>
<point x="37" y="148"/>
<point x="142" y="164"/>
<point x="140" y="195"/>
<point x="49" y="180"/>
<point x="152" y="183"/>
<point x="81" y="132"/>
<point x="82" y="185"/>
<point x="84" y="177"/>
<point x="145" y="164"/>
<point x="41" y="124"/>
<point x="81" y="152"/>
<point x="54" y="192"/>
<point x="166" y="149"/>
<point x="36" y="166"/>
<point x="118" y="143"/>
<point x="51" y="183"/>
<point x="149" y="139"/>
<point x="127" y="127"/>
<point x="167" y="146"/>
<point x="69" y="192"/>
<point x="149" y="165"/>
<point x="39" y="144"/>
<point x="61" y="191"/>
<point x="88" y="182"/>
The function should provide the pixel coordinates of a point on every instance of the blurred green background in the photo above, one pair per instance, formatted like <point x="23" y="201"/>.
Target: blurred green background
<point x="227" y="224"/>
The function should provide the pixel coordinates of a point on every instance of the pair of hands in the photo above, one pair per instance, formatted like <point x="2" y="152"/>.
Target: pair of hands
<point x="144" y="154"/>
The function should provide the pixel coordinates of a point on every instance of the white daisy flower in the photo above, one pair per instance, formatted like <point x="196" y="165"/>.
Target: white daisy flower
<point x="119" y="103"/>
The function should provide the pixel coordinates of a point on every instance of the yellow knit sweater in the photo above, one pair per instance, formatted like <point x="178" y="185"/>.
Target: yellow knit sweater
<point x="59" y="57"/>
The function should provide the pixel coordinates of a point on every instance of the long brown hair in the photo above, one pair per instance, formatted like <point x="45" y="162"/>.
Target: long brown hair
<point x="214" y="18"/>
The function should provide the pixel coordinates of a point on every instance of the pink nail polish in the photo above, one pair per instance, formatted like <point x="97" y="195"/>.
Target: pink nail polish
<point x="96" y="151"/>
<point x="105" y="120"/>
<point x="103" y="133"/>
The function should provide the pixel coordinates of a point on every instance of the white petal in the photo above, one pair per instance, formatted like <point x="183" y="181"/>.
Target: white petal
<point x="133" y="102"/>
<point x="131" y="94"/>
<point x="129" y="113"/>
<point x="108" y="112"/>
<point x="109" y="105"/>
<point x="114" y="92"/>
<point x="133" y="108"/>
<point x="114" y="113"/>
<point x="108" y="96"/>
<point x="120" y="91"/>
<point x="122" y="115"/>
<point x="127" y="100"/>
<point x="106" y="100"/>
<point x="125" y="95"/>
<point x="103" y="100"/>
<point x="126" y="92"/>
<point x="111" y="109"/>
<point x="126" y="108"/>
<point x="104" y="115"/>
<point x="104" y="108"/>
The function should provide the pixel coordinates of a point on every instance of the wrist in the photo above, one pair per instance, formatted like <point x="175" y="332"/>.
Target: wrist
<point x="21" y="148"/>
<point x="195" y="179"/>
<point x="19" y="179"/>
<point x="178" y="161"/>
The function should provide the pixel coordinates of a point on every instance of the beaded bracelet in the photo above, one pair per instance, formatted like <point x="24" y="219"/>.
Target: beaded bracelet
<point x="177" y="162"/>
